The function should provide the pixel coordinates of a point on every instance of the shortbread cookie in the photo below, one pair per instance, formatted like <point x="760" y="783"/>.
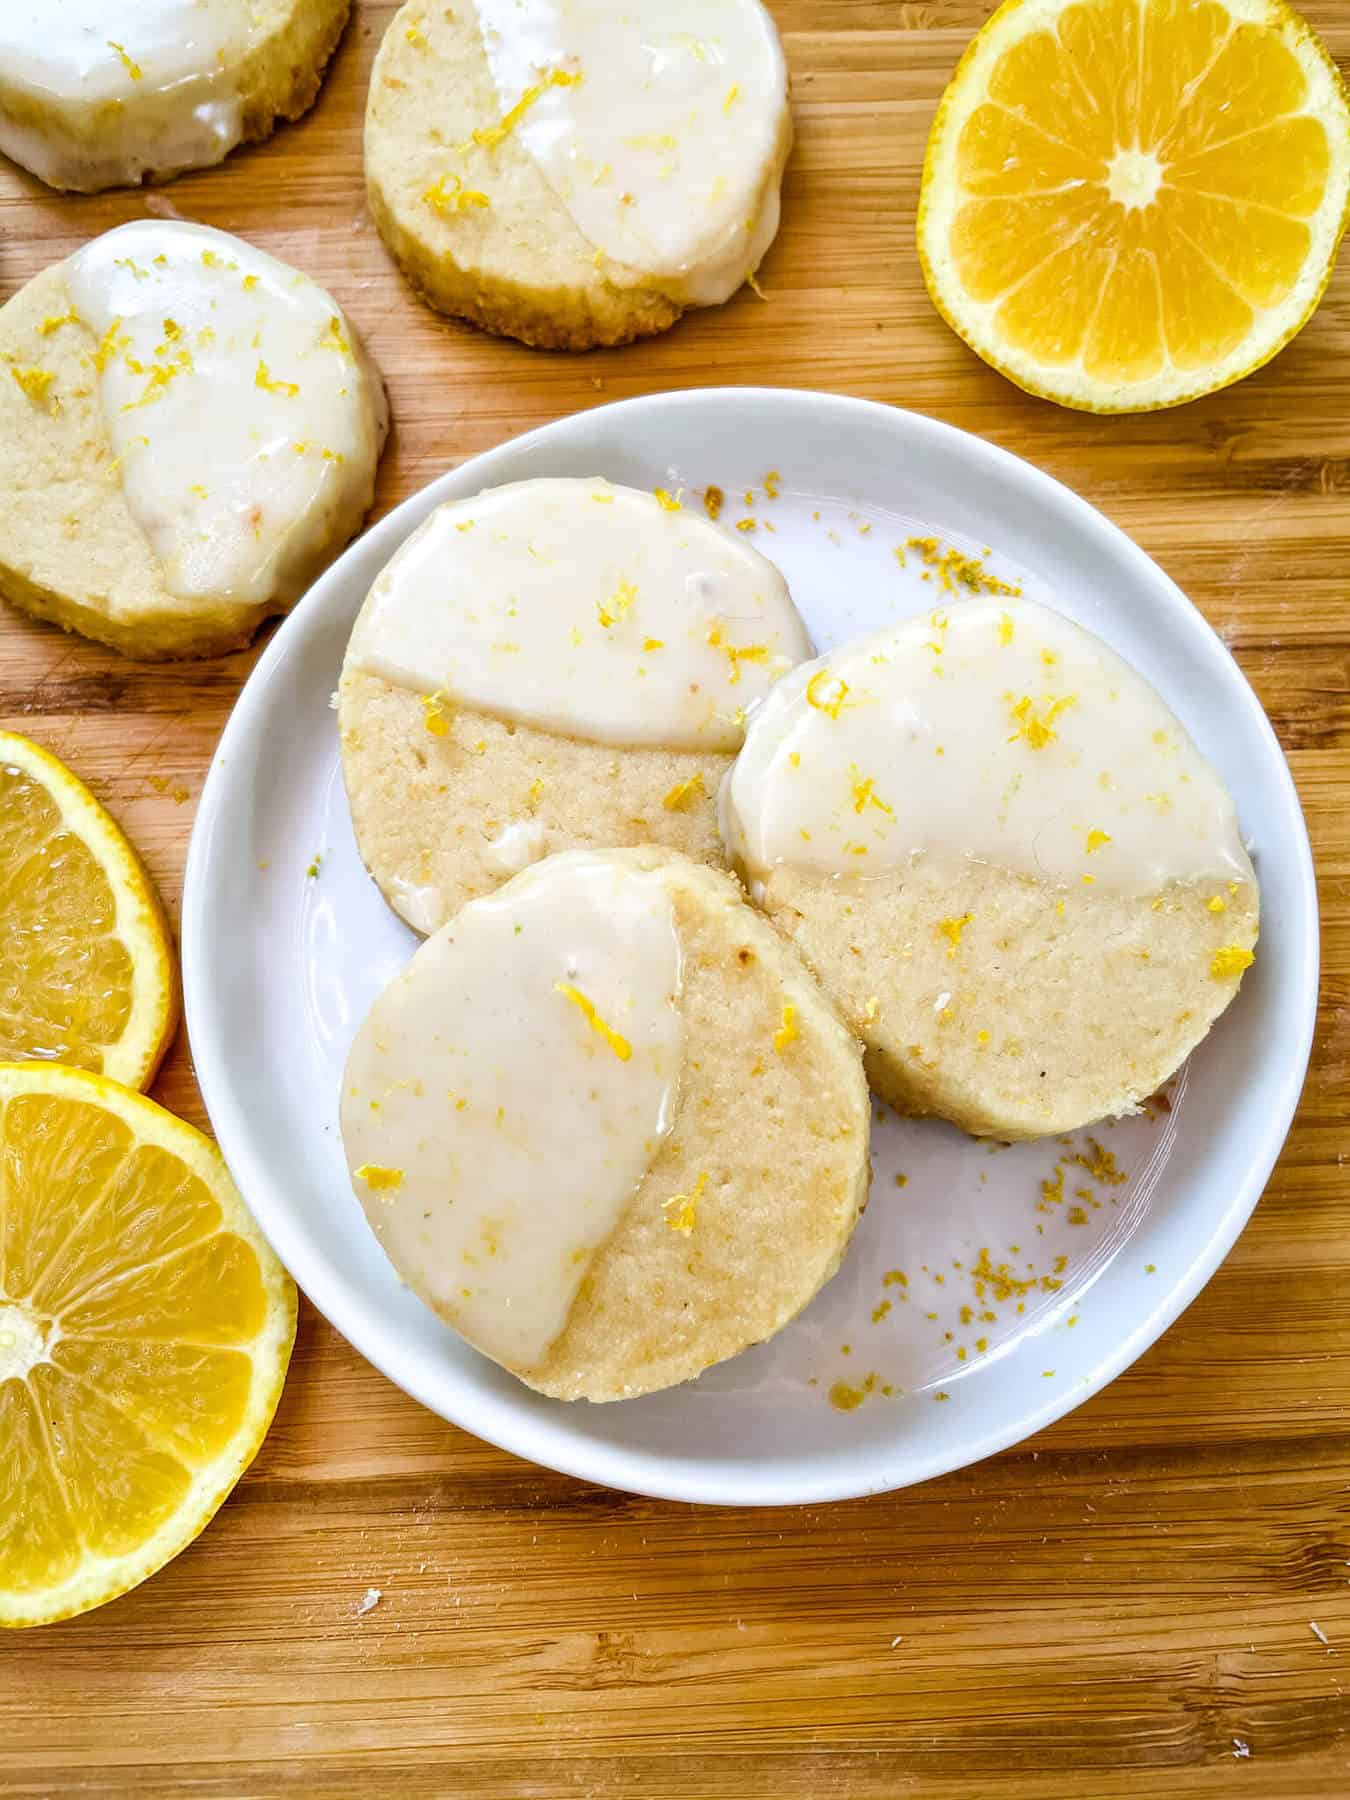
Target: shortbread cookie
<point x="606" y="1125"/>
<point x="95" y="95"/>
<point x="189" y="431"/>
<point x="1004" y="859"/>
<point x="557" y="664"/>
<point x="574" y="174"/>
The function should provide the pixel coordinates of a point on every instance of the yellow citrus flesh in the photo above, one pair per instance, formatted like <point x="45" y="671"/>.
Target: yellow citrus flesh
<point x="1129" y="203"/>
<point x="86" y="966"/>
<point x="145" y="1329"/>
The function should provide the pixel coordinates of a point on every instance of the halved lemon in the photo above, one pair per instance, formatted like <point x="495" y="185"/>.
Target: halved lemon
<point x="1129" y="203"/>
<point x="145" y="1329"/>
<point x="86" y="964"/>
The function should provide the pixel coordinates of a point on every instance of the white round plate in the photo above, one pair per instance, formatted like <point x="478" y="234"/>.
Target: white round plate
<point x="987" y="1290"/>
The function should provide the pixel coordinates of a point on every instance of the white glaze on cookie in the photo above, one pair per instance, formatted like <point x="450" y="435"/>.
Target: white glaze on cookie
<point x="591" y="610"/>
<point x="240" y="416"/>
<point x="999" y="732"/>
<point x="149" y="84"/>
<point x="507" y="1092"/>
<point x="663" y="130"/>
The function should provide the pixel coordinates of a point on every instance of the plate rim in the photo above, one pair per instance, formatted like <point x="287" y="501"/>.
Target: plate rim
<point x="641" y="1471"/>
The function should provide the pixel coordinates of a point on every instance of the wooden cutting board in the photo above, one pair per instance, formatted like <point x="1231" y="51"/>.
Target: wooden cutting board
<point x="1123" y="1606"/>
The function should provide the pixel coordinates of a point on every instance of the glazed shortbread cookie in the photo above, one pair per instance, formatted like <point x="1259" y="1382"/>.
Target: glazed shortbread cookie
<point x="1004" y="859"/>
<point x="96" y="95"/>
<point x="189" y="431"/>
<point x="572" y="173"/>
<point x="552" y="665"/>
<point x="606" y="1125"/>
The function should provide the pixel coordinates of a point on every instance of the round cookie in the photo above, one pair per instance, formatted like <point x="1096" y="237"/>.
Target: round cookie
<point x="572" y="174"/>
<point x="1004" y="860"/>
<point x="606" y="1125"/>
<point x="551" y="665"/>
<point x="189" y="432"/>
<point x="93" y="96"/>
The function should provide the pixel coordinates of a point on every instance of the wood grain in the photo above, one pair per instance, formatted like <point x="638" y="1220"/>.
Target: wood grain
<point x="1109" y="1610"/>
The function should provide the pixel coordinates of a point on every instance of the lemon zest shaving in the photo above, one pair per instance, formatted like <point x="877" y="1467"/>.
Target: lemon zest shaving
<point x="864" y="795"/>
<point x="380" y="1180"/>
<point x="814" y="689"/>
<point x="456" y="199"/>
<point x="35" y="383"/>
<point x="434" y="714"/>
<point x="1036" y="730"/>
<point x="951" y="929"/>
<point x="1229" y="960"/>
<point x="682" y="796"/>
<point x="487" y="137"/>
<point x="262" y="379"/>
<point x="955" y="570"/>
<point x="736" y="654"/>
<point x="619" y="604"/>
<point x="619" y="1045"/>
<point x="684" y="1220"/>
<point x="1101" y="1165"/>
<point x="335" y="338"/>
<point x="1095" y="840"/>
<point x="132" y="67"/>
<point x="669" y="502"/>
<point x="787" y="1032"/>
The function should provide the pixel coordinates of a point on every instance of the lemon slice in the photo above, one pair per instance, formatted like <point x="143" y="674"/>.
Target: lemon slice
<point x="86" y="965"/>
<point x="145" y="1328"/>
<point x="1129" y="203"/>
